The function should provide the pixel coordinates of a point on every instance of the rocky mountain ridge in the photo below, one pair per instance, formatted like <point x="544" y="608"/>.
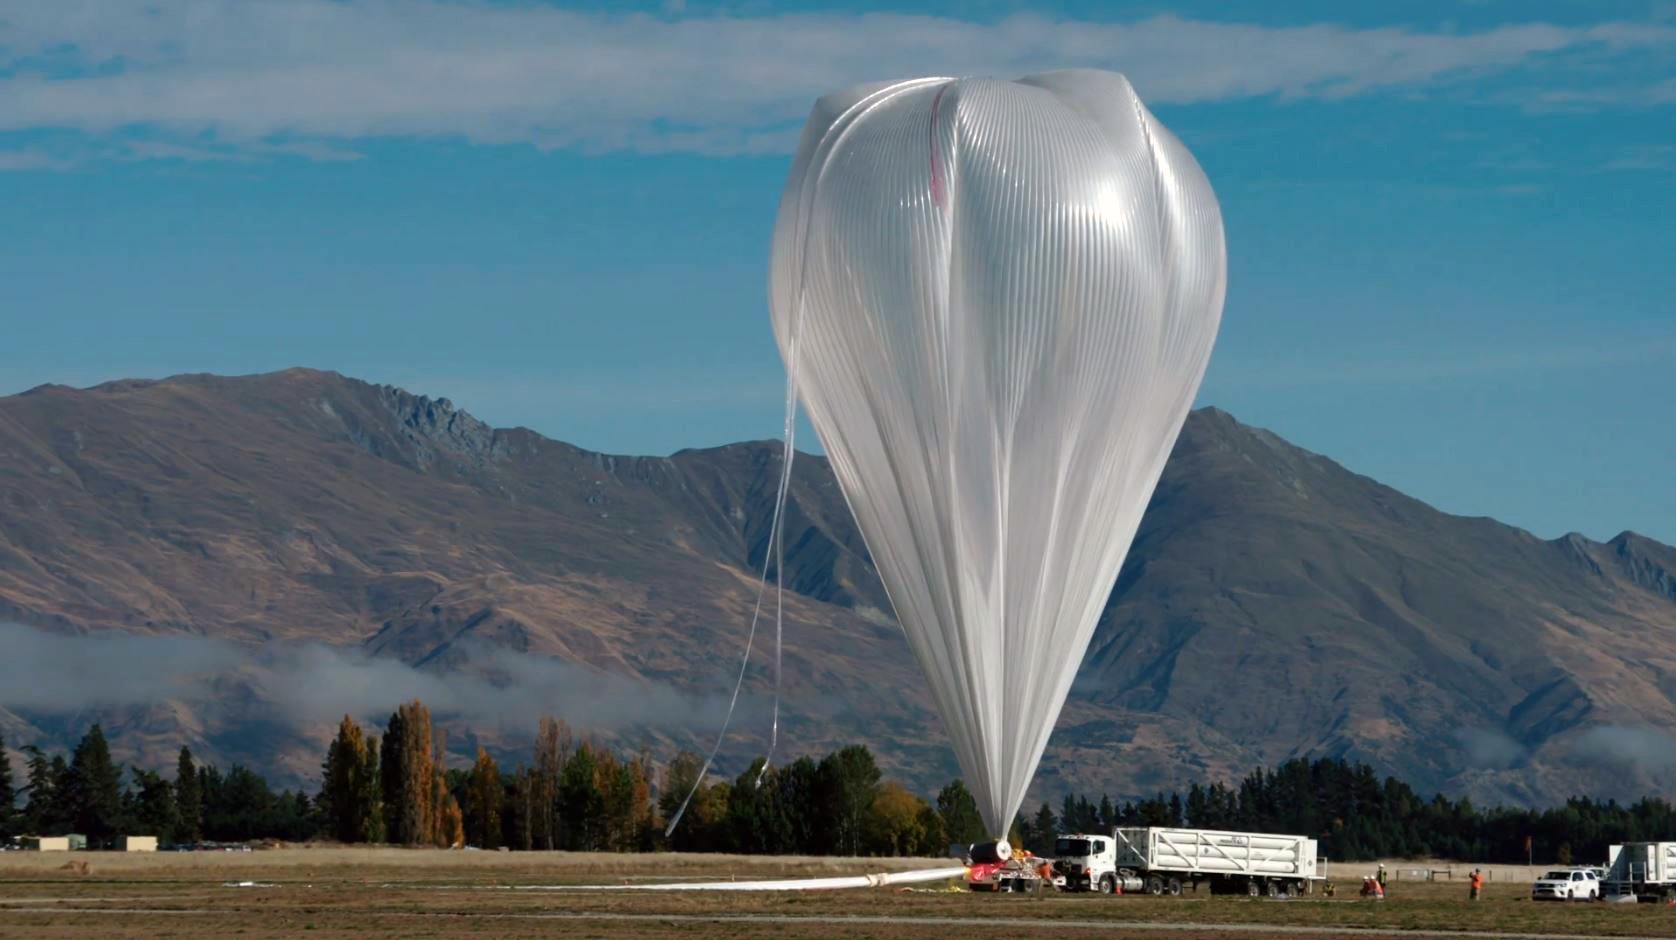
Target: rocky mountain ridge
<point x="1274" y="603"/>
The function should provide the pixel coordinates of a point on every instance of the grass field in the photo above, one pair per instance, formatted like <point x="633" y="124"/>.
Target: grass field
<point x="426" y="893"/>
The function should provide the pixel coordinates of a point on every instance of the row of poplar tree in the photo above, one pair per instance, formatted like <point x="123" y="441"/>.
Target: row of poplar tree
<point x="576" y="795"/>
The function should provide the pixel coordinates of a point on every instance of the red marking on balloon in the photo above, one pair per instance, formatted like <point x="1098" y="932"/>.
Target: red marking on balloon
<point x="936" y="175"/>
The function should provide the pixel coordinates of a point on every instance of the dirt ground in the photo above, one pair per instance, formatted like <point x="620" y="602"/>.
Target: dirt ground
<point x="322" y="892"/>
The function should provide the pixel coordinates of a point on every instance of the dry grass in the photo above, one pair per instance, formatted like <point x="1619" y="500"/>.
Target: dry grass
<point x="344" y="892"/>
<point x="430" y="865"/>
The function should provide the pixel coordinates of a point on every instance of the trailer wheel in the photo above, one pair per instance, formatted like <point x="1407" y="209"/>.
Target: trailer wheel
<point x="1174" y="887"/>
<point x="1108" y="884"/>
<point x="1253" y="889"/>
<point x="1154" y="885"/>
<point x="1273" y="889"/>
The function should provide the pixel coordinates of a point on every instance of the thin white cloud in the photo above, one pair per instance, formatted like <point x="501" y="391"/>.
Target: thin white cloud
<point x="1428" y="370"/>
<point x="308" y="71"/>
<point x="1649" y="157"/>
<point x="16" y="160"/>
<point x="244" y="151"/>
<point x="49" y="672"/>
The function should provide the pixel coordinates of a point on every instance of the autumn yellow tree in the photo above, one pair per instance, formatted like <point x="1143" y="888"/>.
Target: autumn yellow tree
<point x="447" y="829"/>
<point x="450" y="824"/>
<point x="894" y="825"/>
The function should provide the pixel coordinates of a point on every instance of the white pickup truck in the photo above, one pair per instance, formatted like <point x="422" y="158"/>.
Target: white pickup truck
<point x="1161" y="860"/>
<point x="1566" y="884"/>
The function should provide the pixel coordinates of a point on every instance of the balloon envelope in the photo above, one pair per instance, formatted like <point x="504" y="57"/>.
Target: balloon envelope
<point x="997" y="300"/>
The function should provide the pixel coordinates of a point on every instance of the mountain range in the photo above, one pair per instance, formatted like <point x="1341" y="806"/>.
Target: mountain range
<point x="360" y="542"/>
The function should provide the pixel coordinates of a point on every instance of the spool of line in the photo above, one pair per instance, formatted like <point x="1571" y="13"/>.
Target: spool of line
<point x="984" y="853"/>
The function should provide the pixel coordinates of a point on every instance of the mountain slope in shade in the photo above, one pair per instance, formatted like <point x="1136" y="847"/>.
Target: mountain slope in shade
<point x="1274" y="603"/>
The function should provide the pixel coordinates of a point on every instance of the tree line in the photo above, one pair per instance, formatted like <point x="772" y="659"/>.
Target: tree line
<point x="87" y="794"/>
<point x="1358" y="816"/>
<point x="576" y="795"/>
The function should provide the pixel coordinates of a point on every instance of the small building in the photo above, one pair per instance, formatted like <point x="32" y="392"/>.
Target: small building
<point x="46" y="843"/>
<point x="136" y="843"/>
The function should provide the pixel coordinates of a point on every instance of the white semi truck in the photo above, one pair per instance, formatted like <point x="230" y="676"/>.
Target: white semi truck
<point x="1163" y="861"/>
<point x="1641" y="870"/>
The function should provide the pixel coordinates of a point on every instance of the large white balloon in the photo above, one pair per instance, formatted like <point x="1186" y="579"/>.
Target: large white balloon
<point x="997" y="300"/>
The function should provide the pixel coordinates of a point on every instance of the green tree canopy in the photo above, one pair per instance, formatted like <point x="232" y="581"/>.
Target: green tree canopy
<point x="95" y="788"/>
<point x="961" y="821"/>
<point x="189" y="803"/>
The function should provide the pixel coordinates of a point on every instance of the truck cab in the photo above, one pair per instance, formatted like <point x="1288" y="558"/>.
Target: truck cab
<point x="1084" y="862"/>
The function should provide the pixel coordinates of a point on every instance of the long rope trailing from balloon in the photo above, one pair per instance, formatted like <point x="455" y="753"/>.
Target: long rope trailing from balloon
<point x="778" y="535"/>
<point x="773" y="557"/>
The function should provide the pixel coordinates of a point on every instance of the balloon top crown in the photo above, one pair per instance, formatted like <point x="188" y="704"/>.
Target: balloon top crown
<point x="839" y="101"/>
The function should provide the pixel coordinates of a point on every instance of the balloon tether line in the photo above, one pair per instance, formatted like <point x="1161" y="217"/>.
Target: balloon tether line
<point x="774" y="555"/>
<point x="776" y="534"/>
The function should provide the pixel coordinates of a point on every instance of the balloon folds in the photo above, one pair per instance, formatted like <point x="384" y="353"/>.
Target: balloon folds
<point x="996" y="300"/>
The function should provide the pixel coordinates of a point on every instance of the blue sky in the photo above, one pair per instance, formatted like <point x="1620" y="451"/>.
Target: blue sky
<point x="1449" y="223"/>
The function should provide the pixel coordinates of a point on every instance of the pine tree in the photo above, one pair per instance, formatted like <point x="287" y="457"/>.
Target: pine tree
<point x="189" y="804"/>
<point x="961" y="820"/>
<point x="484" y="793"/>
<point x="679" y="779"/>
<point x="614" y="779"/>
<point x="9" y="821"/>
<point x="1043" y="830"/>
<point x="349" y="795"/>
<point x="153" y="809"/>
<point x="337" y="783"/>
<point x="40" y="793"/>
<point x="516" y="810"/>
<point x="581" y="805"/>
<point x="390" y="780"/>
<point x="95" y="793"/>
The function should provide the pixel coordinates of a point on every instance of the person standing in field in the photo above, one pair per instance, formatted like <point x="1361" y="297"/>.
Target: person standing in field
<point x="1477" y="883"/>
<point x="1381" y="877"/>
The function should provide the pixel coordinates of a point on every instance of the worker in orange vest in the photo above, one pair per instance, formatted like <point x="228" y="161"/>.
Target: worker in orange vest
<point x="1477" y="883"/>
